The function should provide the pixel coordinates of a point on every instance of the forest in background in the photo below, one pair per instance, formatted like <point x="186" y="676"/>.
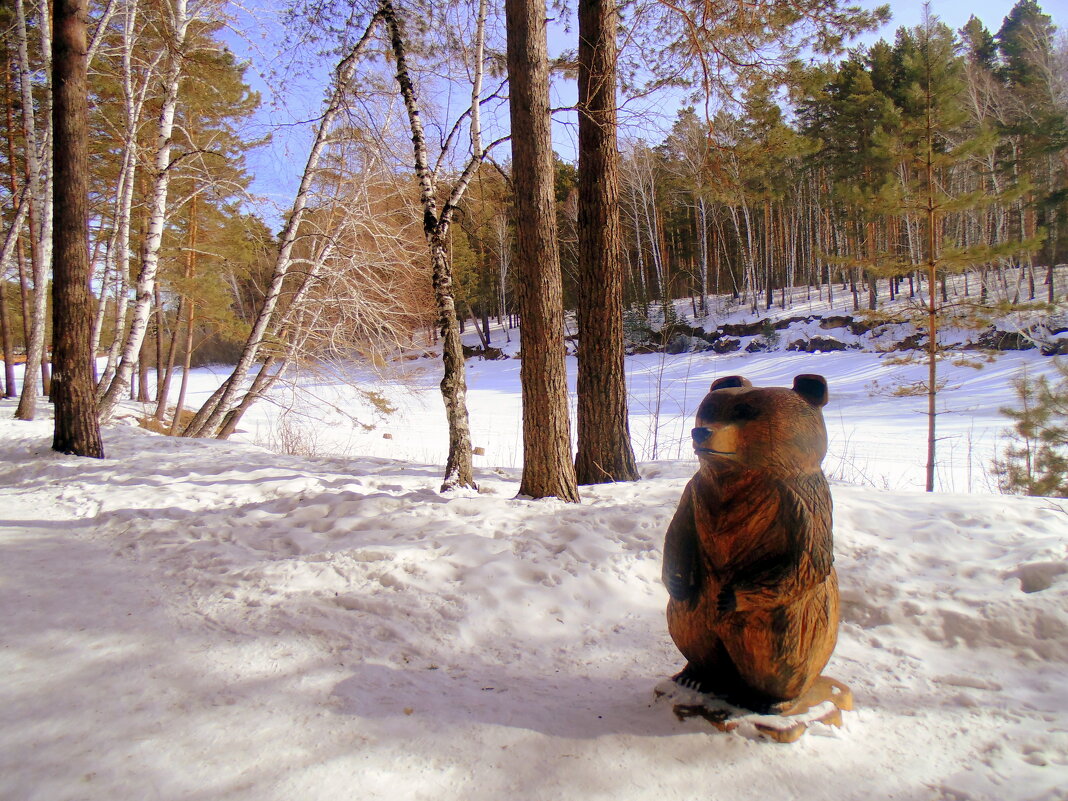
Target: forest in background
<point x="797" y="173"/>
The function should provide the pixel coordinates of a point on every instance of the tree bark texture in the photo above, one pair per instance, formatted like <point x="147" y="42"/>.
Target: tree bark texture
<point x="77" y="429"/>
<point x="604" y="447"/>
<point x="547" y="466"/>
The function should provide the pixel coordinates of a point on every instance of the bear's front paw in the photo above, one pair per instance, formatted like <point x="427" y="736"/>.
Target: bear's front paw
<point x="678" y="587"/>
<point x="727" y="601"/>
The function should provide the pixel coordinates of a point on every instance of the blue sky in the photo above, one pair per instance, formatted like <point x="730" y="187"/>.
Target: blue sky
<point x="277" y="167"/>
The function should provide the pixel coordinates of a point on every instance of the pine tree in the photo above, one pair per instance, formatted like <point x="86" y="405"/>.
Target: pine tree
<point x="548" y="470"/>
<point x="77" y="429"/>
<point x="604" y="448"/>
<point x="1036" y="124"/>
<point x="850" y="119"/>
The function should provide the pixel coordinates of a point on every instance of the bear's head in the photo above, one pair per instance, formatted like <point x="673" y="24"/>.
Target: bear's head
<point x="763" y="428"/>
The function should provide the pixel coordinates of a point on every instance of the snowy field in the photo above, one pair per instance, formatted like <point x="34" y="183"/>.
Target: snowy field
<point x="211" y="620"/>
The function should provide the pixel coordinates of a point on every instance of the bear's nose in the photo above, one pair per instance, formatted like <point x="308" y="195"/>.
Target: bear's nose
<point x="700" y="434"/>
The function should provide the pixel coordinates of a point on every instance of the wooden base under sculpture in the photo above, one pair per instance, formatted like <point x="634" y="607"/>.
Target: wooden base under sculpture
<point x="823" y="702"/>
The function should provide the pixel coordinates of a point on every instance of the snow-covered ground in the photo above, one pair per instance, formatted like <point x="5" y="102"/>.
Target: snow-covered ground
<point x="212" y="620"/>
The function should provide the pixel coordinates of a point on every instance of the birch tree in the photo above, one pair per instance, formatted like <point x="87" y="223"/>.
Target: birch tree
<point x="178" y="18"/>
<point x="436" y="224"/>
<point x="39" y="179"/>
<point x="209" y="418"/>
<point x="137" y="77"/>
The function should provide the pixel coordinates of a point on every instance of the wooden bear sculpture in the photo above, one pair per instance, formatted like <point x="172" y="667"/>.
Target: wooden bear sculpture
<point x="748" y="555"/>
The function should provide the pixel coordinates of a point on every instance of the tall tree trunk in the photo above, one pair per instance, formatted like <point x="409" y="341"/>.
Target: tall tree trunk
<point x="163" y="388"/>
<point x="14" y="242"/>
<point x="133" y="104"/>
<point x="77" y="429"/>
<point x="11" y="241"/>
<point x="547" y="466"/>
<point x="459" y="470"/>
<point x="604" y="447"/>
<point x="702" y="251"/>
<point x="187" y="362"/>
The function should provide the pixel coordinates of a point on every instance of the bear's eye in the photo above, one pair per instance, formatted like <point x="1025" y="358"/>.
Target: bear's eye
<point x="745" y="411"/>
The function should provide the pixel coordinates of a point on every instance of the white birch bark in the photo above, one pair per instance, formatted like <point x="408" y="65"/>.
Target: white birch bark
<point x="133" y="101"/>
<point x="632" y="194"/>
<point x="22" y="211"/>
<point x="146" y="278"/>
<point x="38" y="167"/>
<point x="105" y="288"/>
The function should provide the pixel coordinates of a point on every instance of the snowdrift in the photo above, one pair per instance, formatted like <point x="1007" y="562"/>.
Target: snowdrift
<point x="207" y="620"/>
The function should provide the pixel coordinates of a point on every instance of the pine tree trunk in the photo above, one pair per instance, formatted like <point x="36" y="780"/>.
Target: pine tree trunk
<point x="163" y="388"/>
<point x="185" y="309"/>
<point x="77" y="429"/>
<point x="604" y="447"/>
<point x="12" y="244"/>
<point x="932" y="309"/>
<point x="547" y="466"/>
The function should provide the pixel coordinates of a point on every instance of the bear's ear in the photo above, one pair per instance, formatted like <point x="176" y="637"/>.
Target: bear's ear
<point x="812" y="388"/>
<point x="729" y="382"/>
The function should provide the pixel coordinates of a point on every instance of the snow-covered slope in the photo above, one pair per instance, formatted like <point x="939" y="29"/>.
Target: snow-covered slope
<point x="206" y="620"/>
<point x="878" y="437"/>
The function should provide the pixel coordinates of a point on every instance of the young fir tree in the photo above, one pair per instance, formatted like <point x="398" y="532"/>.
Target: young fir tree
<point x="901" y="121"/>
<point x="937" y="142"/>
<point x="1035" y="462"/>
<point x="931" y="85"/>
